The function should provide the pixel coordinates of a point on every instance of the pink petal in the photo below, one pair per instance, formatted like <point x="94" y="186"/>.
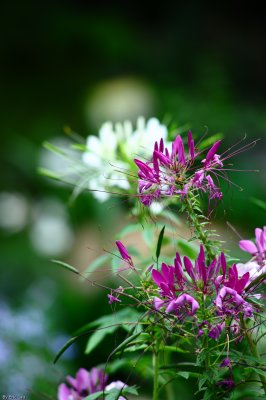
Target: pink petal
<point x="248" y="245"/>
<point x="63" y="392"/>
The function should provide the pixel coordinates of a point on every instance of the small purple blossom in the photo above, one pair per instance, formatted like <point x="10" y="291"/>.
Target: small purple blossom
<point x="227" y="383"/>
<point x="113" y="299"/>
<point x="229" y="302"/>
<point x="226" y="363"/>
<point x="216" y="330"/>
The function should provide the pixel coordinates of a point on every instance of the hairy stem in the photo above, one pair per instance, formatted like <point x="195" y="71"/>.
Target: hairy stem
<point x="196" y="224"/>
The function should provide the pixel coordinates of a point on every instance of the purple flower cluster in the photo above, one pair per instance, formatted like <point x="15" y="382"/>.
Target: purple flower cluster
<point x="86" y="383"/>
<point x="173" y="173"/>
<point x="183" y="285"/>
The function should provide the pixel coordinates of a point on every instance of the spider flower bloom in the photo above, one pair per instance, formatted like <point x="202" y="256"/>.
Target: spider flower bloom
<point x="170" y="174"/>
<point x="188" y="277"/>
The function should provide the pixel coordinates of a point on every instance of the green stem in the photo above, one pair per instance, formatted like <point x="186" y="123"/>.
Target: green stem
<point x="254" y="352"/>
<point x="201" y="234"/>
<point x="155" y="362"/>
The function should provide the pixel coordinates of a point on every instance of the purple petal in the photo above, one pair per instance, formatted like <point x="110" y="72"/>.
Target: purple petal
<point x="241" y="283"/>
<point x="172" y="306"/>
<point x="259" y="239"/>
<point x="161" y="148"/>
<point x="63" y="392"/>
<point x="158" y="303"/>
<point x="223" y="263"/>
<point x="212" y="151"/>
<point x="122" y="250"/>
<point x="157" y="277"/>
<point x="113" y="299"/>
<point x="72" y="381"/>
<point x="164" y="159"/>
<point x="189" y="267"/>
<point x="248" y="245"/>
<point x="178" y="148"/>
<point x="191" y="145"/>
<point x="82" y="378"/>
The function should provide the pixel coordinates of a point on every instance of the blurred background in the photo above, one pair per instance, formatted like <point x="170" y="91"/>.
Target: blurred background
<point x="78" y="64"/>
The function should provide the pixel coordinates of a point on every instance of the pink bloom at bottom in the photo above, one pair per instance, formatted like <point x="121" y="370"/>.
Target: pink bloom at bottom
<point x="86" y="383"/>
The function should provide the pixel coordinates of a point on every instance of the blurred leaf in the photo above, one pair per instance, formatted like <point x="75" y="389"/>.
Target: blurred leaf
<point x="108" y="324"/>
<point x="65" y="347"/>
<point x="48" y="174"/>
<point x="67" y="266"/>
<point x="260" y="203"/>
<point x="131" y="228"/>
<point x="188" y="249"/>
<point x="125" y="342"/>
<point x="210" y="141"/>
<point x="98" y="262"/>
<point x="184" y="374"/>
<point x="98" y="336"/>
<point x="53" y="148"/>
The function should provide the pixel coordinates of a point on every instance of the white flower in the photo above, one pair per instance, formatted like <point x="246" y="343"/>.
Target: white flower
<point x="253" y="268"/>
<point x="112" y="153"/>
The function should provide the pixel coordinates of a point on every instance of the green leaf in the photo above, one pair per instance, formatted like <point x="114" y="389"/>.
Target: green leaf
<point x="159" y="243"/>
<point x="210" y="141"/>
<point x="67" y="266"/>
<point x="188" y="249"/>
<point x="65" y="347"/>
<point x="124" y="344"/>
<point x="109" y="324"/>
<point x="171" y="216"/>
<point x="259" y="203"/>
<point x="94" y="396"/>
<point x="113" y="394"/>
<point x="97" y="337"/>
<point x="131" y="228"/>
<point x="184" y="374"/>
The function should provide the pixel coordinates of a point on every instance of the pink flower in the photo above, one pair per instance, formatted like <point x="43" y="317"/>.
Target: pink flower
<point x="257" y="250"/>
<point x="83" y="384"/>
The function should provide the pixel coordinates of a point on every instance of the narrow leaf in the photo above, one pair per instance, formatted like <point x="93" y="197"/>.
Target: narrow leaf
<point x="65" y="265"/>
<point x="159" y="243"/>
<point x="65" y="347"/>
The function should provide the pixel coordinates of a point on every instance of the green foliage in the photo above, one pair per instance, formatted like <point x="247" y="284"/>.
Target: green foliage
<point x="113" y="394"/>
